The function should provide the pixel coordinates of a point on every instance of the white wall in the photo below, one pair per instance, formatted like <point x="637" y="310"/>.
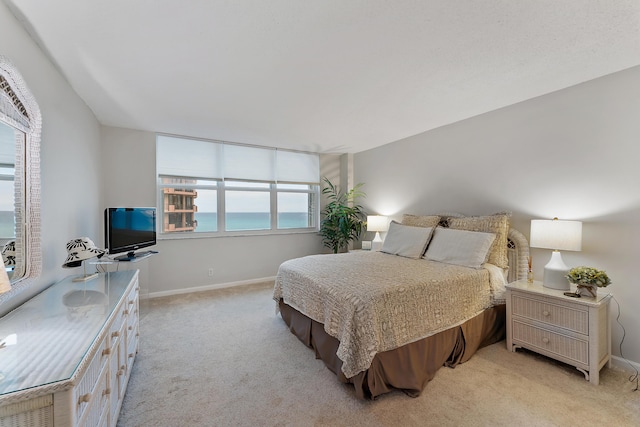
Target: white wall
<point x="573" y="154"/>
<point x="70" y="153"/>
<point x="129" y="176"/>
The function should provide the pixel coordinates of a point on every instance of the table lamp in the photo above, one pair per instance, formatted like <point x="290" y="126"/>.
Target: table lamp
<point x="557" y="235"/>
<point x="377" y="223"/>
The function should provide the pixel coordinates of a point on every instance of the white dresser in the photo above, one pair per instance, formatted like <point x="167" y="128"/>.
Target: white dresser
<point x="67" y="353"/>
<point x="576" y="331"/>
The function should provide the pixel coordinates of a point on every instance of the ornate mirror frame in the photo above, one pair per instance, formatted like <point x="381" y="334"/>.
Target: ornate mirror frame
<point x="19" y="109"/>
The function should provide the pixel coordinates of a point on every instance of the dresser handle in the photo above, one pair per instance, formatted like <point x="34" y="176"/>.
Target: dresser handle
<point x="545" y="340"/>
<point x="106" y="392"/>
<point x="115" y="334"/>
<point x="125" y="311"/>
<point x="131" y="328"/>
<point x="106" y="351"/>
<point x="546" y="313"/>
<point x="131" y="354"/>
<point x="131" y="302"/>
<point x="84" y="398"/>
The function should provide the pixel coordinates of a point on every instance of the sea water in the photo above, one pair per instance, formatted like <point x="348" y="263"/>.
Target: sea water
<point x="208" y="221"/>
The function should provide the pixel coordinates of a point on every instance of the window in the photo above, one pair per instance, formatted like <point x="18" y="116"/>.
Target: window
<point x="217" y="188"/>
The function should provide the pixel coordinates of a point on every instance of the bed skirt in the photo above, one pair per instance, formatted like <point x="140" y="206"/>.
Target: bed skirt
<point x="408" y="368"/>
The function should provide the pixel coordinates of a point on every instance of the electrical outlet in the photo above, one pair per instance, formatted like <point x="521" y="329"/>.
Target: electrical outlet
<point x="210" y="272"/>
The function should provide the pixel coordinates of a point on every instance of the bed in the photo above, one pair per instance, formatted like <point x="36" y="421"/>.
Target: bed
<point x="389" y="320"/>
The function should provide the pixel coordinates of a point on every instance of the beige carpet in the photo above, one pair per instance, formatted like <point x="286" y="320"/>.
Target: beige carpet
<point x="223" y="358"/>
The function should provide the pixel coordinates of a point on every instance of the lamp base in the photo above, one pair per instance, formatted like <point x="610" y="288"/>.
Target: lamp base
<point x="555" y="272"/>
<point x="376" y="243"/>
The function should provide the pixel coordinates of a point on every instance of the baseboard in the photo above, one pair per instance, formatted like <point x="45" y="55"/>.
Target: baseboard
<point x="625" y="365"/>
<point x="152" y="295"/>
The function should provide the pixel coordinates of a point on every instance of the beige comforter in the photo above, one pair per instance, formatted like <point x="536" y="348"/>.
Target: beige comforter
<point x="373" y="302"/>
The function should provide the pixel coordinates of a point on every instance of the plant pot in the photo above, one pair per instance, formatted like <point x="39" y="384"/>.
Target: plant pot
<point x="587" y="290"/>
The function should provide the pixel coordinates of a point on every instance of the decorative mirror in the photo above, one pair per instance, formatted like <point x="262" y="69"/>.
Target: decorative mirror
<point x="20" y="126"/>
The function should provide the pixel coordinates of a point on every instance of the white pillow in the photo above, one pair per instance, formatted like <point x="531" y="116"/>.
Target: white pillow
<point x="460" y="247"/>
<point x="406" y="241"/>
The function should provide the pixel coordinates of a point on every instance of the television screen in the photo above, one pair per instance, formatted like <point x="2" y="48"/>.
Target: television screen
<point x="129" y="229"/>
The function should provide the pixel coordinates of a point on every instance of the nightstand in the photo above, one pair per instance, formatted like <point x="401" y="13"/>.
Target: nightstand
<point x="576" y="331"/>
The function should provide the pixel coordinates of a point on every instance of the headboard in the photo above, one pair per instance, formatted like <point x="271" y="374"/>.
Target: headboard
<point x="518" y="254"/>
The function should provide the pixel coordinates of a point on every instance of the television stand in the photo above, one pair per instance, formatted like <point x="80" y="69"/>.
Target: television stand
<point x="134" y="256"/>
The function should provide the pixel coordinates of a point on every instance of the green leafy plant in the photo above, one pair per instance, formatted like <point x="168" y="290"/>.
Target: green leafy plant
<point x="343" y="220"/>
<point x="588" y="276"/>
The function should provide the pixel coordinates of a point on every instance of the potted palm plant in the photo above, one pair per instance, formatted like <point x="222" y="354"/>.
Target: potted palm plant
<point x="342" y="219"/>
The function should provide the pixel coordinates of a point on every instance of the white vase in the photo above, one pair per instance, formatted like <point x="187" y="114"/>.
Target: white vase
<point x="587" y="290"/>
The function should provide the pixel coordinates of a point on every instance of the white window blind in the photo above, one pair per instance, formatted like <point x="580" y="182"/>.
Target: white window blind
<point x="188" y="157"/>
<point x="250" y="163"/>
<point x="7" y="145"/>
<point x="185" y="157"/>
<point x="298" y="167"/>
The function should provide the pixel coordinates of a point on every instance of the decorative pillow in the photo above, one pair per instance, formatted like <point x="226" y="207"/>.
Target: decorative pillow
<point x="460" y="247"/>
<point x="406" y="241"/>
<point x="498" y="224"/>
<point x="420" y="220"/>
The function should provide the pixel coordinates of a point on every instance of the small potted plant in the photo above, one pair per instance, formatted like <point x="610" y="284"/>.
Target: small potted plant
<point x="588" y="280"/>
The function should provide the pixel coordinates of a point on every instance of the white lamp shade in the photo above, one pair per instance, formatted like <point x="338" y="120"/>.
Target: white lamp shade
<point x="377" y="223"/>
<point x="556" y="234"/>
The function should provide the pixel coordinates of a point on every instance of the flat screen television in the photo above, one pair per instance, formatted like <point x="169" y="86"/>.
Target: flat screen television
<point x="129" y="229"/>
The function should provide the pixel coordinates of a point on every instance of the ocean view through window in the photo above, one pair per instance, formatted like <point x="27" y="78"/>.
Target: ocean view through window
<point x="216" y="188"/>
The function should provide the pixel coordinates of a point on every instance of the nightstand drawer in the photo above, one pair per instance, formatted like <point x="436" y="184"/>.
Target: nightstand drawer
<point x="575" y="319"/>
<point x="567" y="347"/>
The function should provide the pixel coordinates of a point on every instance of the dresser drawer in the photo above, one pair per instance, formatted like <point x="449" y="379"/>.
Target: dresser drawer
<point x="33" y="412"/>
<point x="98" y="401"/>
<point x="86" y="388"/>
<point x="574" y="349"/>
<point x="575" y="319"/>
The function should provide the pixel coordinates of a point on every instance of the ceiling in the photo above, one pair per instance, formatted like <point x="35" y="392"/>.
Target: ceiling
<point x="330" y="76"/>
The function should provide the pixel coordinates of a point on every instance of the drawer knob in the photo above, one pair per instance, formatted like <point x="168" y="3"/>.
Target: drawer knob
<point x="84" y="398"/>
<point x="131" y="328"/>
<point x="131" y="354"/>
<point x="125" y="311"/>
<point x="131" y="302"/>
<point x="106" y="351"/>
<point x="115" y="334"/>
<point x="106" y="392"/>
<point x="546" y="313"/>
<point x="545" y="340"/>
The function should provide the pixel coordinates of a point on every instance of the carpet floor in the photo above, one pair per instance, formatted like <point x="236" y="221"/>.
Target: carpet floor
<point x="224" y="358"/>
